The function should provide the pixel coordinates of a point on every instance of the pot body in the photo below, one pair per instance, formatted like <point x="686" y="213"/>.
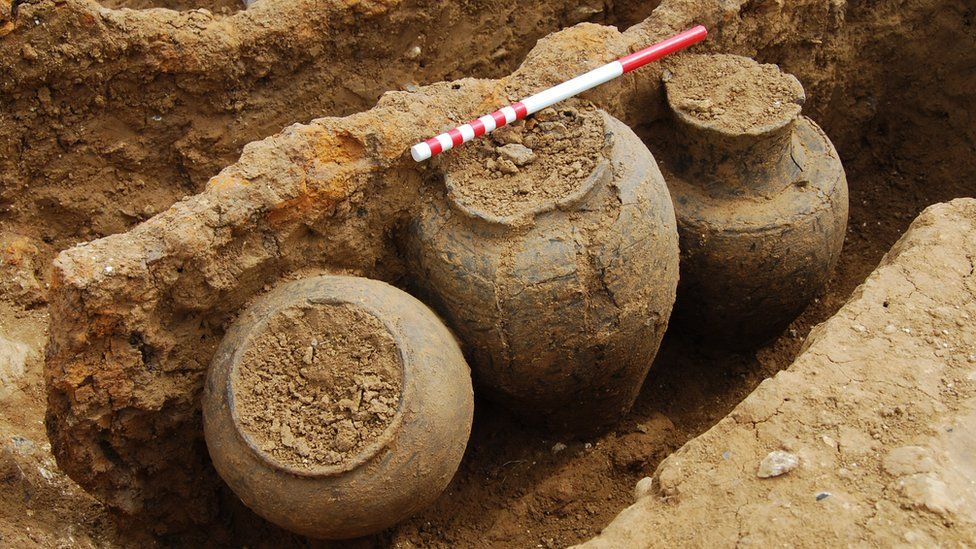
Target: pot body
<point x="761" y="216"/>
<point x="561" y="315"/>
<point x="403" y="471"/>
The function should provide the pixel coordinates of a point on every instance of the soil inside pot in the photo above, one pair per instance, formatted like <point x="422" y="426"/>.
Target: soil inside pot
<point x="318" y="385"/>
<point x="523" y="167"/>
<point x="731" y="93"/>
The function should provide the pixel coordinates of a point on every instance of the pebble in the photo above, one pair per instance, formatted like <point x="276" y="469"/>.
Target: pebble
<point x="28" y="52"/>
<point x="822" y="496"/>
<point x="558" y="447"/>
<point x="518" y="154"/>
<point x="506" y="166"/>
<point x="908" y="460"/>
<point x="929" y="492"/>
<point x="829" y="442"/>
<point x="777" y="463"/>
<point x="643" y="488"/>
<point x="13" y="360"/>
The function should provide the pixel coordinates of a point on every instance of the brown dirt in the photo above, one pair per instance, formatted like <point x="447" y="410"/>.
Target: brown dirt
<point x="318" y="385"/>
<point x="219" y="7"/>
<point x="732" y="93"/>
<point x="877" y="410"/>
<point x="528" y="164"/>
<point x="84" y="157"/>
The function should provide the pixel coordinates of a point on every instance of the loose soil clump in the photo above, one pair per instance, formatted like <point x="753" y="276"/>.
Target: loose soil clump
<point x="319" y="385"/>
<point x="524" y="166"/>
<point x="732" y="93"/>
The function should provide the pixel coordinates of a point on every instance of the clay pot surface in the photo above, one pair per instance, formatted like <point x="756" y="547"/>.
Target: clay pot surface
<point x="562" y="304"/>
<point x="760" y="197"/>
<point x="394" y="474"/>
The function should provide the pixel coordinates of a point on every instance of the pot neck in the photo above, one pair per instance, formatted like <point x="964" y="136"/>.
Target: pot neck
<point x="754" y="159"/>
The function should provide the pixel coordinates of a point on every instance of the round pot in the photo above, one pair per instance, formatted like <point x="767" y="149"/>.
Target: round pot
<point x="352" y="484"/>
<point x="561" y="305"/>
<point x="760" y="198"/>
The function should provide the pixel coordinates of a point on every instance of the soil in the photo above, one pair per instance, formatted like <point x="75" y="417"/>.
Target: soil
<point x="218" y="7"/>
<point x="527" y="165"/>
<point x="870" y="423"/>
<point x="318" y="385"/>
<point x="732" y="93"/>
<point x="85" y="156"/>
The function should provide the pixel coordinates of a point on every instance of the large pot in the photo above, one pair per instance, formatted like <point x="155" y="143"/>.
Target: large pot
<point x="760" y="196"/>
<point x="562" y="305"/>
<point x="381" y="479"/>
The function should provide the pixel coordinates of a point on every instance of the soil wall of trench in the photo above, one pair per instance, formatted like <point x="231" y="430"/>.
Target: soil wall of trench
<point x="136" y="316"/>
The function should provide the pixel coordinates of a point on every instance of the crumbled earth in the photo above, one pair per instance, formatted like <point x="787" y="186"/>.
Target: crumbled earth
<point x="110" y="117"/>
<point x="731" y="93"/>
<point x="520" y="167"/>
<point x="880" y="407"/>
<point x="318" y="385"/>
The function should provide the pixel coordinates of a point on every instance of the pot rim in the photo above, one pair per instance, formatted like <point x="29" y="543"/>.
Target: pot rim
<point x="367" y="453"/>
<point x="600" y="174"/>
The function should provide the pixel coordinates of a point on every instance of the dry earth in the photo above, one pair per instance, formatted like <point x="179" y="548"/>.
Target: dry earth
<point x="109" y="117"/>
<point x="879" y="409"/>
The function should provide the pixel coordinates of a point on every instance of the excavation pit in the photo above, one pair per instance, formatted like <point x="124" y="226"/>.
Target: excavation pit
<point x="115" y="122"/>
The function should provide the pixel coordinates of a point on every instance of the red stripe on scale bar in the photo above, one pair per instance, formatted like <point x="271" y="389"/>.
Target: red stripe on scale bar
<point x="435" y="146"/>
<point x="456" y="136"/>
<point x="478" y="126"/>
<point x="520" y="110"/>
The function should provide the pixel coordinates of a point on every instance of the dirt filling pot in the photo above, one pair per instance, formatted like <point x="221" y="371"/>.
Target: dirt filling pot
<point x="337" y="406"/>
<point x="760" y="196"/>
<point x="551" y="248"/>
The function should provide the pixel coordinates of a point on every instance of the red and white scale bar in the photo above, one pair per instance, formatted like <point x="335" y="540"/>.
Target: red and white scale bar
<point x="518" y="111"/>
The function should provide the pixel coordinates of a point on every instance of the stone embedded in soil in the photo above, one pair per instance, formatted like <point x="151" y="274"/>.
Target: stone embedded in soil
<point x="928" y="492"/>
<point x="527" y="164"/>
<point x="520" y="155"/>
<point x="318" y="385"/>
<point x="777" y="463"/>
<point x="13" y="358"/>
<point x="908" y="460"/>
<point x="643" y="488"/>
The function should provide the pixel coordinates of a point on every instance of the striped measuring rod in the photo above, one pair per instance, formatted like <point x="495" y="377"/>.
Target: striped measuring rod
<point x="490" y="122"/>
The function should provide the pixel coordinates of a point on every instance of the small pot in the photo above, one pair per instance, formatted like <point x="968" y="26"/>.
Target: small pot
<point x="561" y="308"/>
<point x="762" y="212"/>
<point x="400" y="472"/>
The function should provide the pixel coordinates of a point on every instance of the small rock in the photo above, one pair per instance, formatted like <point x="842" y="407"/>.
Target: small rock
<point x="928" y="492"/>
<point x="890" y="329"/>
<point x="13" y="359"/>
<point x="506" y="166"/>
<point x="520" y="155"/>
<point x="28" y="52"/>
<point x="822" y="496"/>
<point x="777" y="463"/>
<point x="643" y="488"/>
<point x="558" y="447"/>
<point x="414" y="52"/>
<point x="909" y="460"/>
<point x="829" y="442"/>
